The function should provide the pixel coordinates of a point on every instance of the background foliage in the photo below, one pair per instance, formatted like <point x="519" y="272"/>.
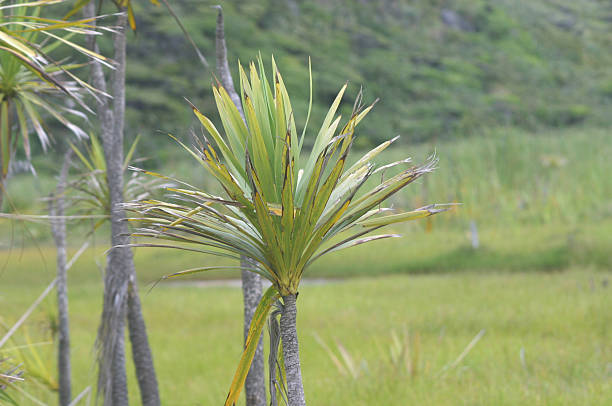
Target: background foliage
<point x="442" y="68"/>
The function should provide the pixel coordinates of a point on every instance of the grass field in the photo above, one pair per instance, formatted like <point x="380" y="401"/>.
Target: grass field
<point x="539" y="285"/>
<point x="547" y="340"/>
<point x="532" y="248"/>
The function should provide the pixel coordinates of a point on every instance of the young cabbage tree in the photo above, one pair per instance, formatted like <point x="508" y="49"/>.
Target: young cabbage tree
<point x="280" y="208"/>
<point x="89" y="192"/>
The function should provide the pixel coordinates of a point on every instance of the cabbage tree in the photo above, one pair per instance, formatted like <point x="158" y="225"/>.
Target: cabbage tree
<point x="280" y="207"/>
<point x="33" y="84"/>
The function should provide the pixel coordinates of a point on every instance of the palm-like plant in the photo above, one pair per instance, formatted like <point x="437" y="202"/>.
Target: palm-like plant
<point x="89" y="193"/>
<point x="279" y="208"/>
<point x="30" y="80"/>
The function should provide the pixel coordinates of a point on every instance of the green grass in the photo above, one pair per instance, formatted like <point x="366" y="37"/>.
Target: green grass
<point x="533" y="248"/>
<point x="509" y="178"/>
<point x="560" y="321"/>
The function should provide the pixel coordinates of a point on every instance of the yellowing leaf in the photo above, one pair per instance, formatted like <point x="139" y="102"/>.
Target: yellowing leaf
<point x="257" y="325"/>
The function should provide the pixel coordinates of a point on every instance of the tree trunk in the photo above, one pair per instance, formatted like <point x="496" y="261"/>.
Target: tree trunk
<point x="120" y="291"/>
<point x="7" y="145"/>
<point x="58" y="229"/>
<point x="2" y="183"/>
<point x="225" y="75"/>
<point x="112" y="379"/>
<point x="255" y="384"/>
<point x="118" y="390"/>
<point x="291" y="353"/>
<point x="141" y="351"/>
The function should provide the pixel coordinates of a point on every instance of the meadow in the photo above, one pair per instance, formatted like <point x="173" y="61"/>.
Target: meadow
<point x="546" y="338"/>
<point x="394" y="317"/>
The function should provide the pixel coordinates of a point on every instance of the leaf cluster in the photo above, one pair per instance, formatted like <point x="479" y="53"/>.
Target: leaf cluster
<point x="280" y="208"/>
<point x="89" y="192"/>
<point x="31" y="80"/>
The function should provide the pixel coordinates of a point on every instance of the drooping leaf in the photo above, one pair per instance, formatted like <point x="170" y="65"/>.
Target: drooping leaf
<point x="257" y="324"/>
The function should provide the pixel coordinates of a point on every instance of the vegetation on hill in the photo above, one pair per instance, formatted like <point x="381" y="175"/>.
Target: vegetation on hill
<point x="441" y="68"/>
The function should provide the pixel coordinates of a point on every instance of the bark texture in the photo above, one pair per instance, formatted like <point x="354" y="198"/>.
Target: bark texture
<point x="1" y="192"/>
<point x="58" y="229"/>
<point x="118" y="393"/>
<point x="223" y="70"/>
<point x="255" y="384"/>
<point x="291" y="353"/>
<point x="112" y="379"/>
<point x="4" y="176"/>
<point x="141" y="351"/>
<point x="120" y="289"/>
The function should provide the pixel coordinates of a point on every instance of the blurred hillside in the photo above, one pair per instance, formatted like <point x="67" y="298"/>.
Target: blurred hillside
<point x="442" y="68"/>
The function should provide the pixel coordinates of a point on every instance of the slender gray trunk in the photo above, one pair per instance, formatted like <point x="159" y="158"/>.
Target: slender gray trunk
<point x="4" y="176"/>
<point x="141" y="351"/>
<point x="291" y="353"/>
<point x="118" y="85"/>
<point x="118" y="391"/>
<point x="58" y="229"/>
<point x="255" y="384"/>
<point x="112" y="379"/>
<point x="120" y="289"/>
<point x="1" y="192"/>
<point x="225" y="75"/>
